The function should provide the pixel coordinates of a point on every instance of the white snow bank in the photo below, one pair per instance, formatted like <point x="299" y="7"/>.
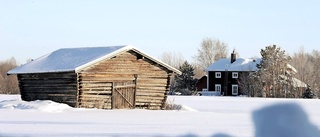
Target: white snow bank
<point x="215" y="116"/>
<point x="46" y="105"/>
<point x="15" y="102"/>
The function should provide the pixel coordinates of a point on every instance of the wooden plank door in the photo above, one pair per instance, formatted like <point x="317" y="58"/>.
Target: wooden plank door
<point x="123" y="95"/>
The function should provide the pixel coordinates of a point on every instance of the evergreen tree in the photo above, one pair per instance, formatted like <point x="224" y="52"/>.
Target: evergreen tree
<point x="185" y="83"/>
<point x="275" y="73"/>
<point x="308" y="93"/>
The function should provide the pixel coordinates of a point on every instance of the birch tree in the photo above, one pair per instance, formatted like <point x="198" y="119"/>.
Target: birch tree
<point x="210" y="51"/>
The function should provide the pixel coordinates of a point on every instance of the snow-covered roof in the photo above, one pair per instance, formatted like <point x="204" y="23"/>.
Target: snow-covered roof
<point x="292" y="68"/>
<point x="74" y="59"/>
<point x="298" y="83"/>
<point x="295" y="82"/>
<point x="241" y="64"/>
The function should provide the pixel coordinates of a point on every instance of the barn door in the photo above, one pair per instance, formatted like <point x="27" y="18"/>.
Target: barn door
<point x="123" y="95"/>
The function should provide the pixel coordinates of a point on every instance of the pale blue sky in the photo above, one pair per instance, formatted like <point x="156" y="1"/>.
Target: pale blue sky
<point x="32" y="28"/>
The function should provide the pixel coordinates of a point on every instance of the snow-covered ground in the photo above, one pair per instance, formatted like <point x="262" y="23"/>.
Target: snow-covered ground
<point x="201" y="116"/>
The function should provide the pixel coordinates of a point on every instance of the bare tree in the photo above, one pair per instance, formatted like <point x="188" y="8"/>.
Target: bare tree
<point x="8" y="84"/>
<point x="308" y="67"/>
<point x="250" y="84"/>
<point x="198" y="71"/>
<point x="210" y="51"/>
<point x="301" y="61"/>
<point x="175" y="60"/>
<point x="315" y="59"/>
<point x="172" y="58"/>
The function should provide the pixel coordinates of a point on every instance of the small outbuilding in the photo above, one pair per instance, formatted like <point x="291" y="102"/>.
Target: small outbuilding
<point x="117" y="77"/>
<point x="201" y="84"/>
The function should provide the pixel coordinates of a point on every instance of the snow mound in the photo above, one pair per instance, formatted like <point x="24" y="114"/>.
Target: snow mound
<point x="42" y="105"/>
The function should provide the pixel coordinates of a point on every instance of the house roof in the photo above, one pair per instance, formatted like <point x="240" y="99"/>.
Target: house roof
<point x="74" y="59"/>
<point x="241" y="64"/>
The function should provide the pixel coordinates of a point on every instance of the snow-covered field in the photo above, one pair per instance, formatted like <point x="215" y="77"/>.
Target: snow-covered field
<point x="202" y="116"/>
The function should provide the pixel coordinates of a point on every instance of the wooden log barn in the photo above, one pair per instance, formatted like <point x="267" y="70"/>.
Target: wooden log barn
<point x="117" y="77"/>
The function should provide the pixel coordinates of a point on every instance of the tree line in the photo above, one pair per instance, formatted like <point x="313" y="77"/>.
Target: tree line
<point x="272" y="80"/>
<point x="8" y="84"/>
<point x="277" y="76"/>
<point x="308" y="67"/>
<point x="210" y="50"/>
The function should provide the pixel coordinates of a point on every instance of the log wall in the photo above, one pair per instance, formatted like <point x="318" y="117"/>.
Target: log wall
<point x="95" y="86"/>
<point x="58" y="87"/>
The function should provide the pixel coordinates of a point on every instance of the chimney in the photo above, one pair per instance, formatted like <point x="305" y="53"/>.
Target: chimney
<point x="233" y="56"/>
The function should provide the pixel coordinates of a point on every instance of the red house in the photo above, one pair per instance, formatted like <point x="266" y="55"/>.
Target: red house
<point x="223" y="75"/>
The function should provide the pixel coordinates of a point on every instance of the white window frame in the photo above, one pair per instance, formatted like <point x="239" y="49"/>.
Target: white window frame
<point x="233" y="89"/>
<point x="235" y="74"/>
<point x="217" y="86"/>
<point x="218" y="74"/>
<point x="204" y="90"/>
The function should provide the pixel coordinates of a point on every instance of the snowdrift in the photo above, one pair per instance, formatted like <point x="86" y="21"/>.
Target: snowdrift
<point x="193" y="116"/>
<point x="46" y="106"/>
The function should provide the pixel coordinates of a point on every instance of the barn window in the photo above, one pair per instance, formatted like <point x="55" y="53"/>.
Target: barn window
<point x="218" y="87"/>
<point x="234" y="74"/>
<point x="218" y="74"/>
<point x="235" y="90"/>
